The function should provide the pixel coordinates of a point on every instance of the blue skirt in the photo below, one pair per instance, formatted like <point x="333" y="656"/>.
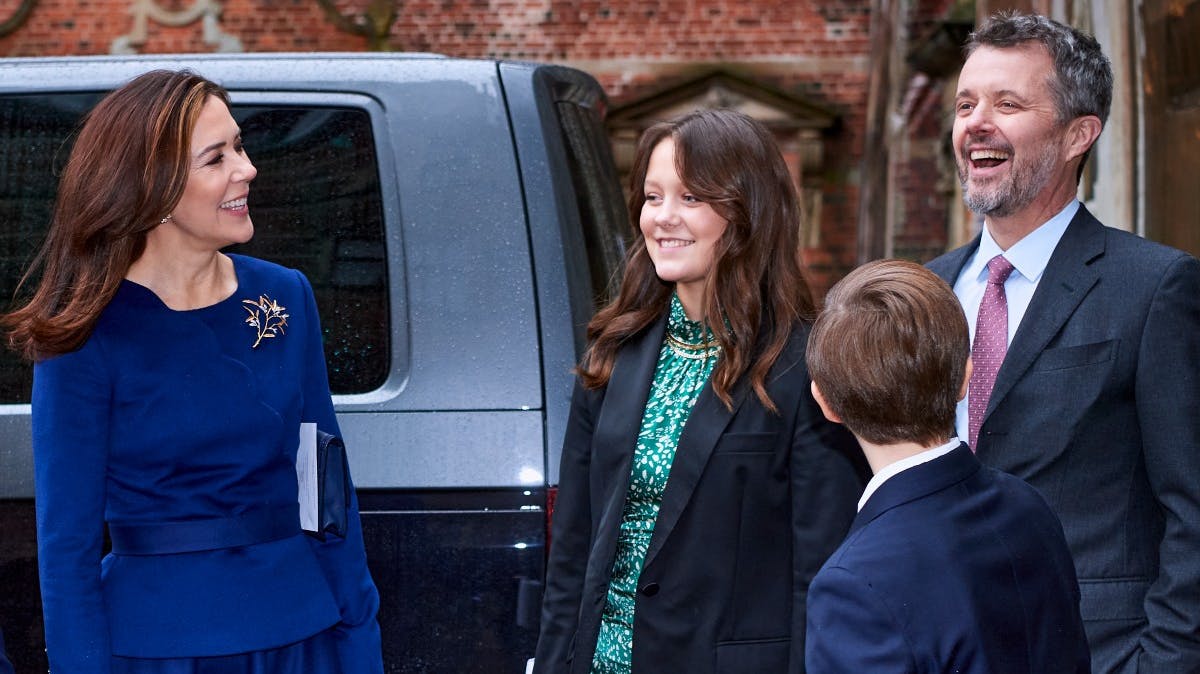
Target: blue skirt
<point x="314" y="655"/>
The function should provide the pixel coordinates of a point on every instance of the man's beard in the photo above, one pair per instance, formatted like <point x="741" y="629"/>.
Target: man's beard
<point x="1012" y="192"/>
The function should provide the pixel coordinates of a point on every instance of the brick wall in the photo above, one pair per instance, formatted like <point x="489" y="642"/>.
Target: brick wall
<point x="811" y="48"/>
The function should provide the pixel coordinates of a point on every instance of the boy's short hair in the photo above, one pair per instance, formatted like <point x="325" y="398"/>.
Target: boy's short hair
<point x="889" y="353"/>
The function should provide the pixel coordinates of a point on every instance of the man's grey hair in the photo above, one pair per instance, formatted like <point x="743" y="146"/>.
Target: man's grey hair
<point x="1083" y="81"/>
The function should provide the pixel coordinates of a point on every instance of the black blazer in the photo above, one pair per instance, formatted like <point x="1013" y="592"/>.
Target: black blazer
<point x="754" y="505"/>
<point x="1097" y="405"/>
<point x="950" y="567"/>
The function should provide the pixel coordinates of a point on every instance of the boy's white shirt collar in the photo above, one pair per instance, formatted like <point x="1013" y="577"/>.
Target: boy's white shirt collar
<point x="897" y="467"/>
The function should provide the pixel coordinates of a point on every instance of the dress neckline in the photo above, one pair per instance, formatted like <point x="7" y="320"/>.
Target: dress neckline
<point x="196" y="310"/>
<point x="685" y="330"/>
<point x="688" y="339"/>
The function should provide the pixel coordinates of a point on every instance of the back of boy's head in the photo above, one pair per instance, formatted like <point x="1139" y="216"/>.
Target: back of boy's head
<point x="889" y="353"/>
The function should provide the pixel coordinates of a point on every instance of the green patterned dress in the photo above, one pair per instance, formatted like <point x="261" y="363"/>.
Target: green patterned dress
<point x="685" y="362"/>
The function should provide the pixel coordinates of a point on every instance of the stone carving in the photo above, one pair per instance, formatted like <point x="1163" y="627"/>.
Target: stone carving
<point x="208" y="11"/>
<point x="375" y="23"/>
<point x="17" y="18"/>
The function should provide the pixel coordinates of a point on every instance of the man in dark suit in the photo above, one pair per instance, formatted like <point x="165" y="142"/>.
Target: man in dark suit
<point x="949" y="566"/>
<point x="1086" y="343"/>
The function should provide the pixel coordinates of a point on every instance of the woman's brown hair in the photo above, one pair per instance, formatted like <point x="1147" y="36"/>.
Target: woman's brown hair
<point x="127" y="171"/>
<point x="755" y="284"/>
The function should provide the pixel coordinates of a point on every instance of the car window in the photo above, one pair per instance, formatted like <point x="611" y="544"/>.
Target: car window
<point x="601" y="207"/>
<point x="316" y="205"/>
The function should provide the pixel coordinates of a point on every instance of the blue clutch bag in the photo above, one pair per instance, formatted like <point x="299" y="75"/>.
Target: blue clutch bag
<point x="333" y="486"/>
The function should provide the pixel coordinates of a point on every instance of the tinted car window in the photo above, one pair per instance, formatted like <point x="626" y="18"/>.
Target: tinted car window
<point x="316" y="205"/>
<point x="603" y="218"/>
<point x="34" y="143"/>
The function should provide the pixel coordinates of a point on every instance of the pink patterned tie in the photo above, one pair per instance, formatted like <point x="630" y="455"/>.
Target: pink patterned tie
<point x="991" y="343"/>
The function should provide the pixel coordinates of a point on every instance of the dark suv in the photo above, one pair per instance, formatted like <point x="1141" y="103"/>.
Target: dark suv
<point x="458" y="220"/>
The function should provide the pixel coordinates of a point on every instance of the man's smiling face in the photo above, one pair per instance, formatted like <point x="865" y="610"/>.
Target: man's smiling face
<point x="1008" y="140"/>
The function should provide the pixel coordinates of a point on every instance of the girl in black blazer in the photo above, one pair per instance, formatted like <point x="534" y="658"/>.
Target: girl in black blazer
<point x="701" y="488"/>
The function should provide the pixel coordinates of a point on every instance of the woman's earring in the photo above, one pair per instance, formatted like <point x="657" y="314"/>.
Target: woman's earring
<point x="164" y="220"/>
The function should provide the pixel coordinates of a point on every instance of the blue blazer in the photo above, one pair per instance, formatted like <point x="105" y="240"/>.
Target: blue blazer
<point x="949" y="567"/>
<point x="164" y="419"/>
<point x="5" y="665"/>
<point x="1104" y="372"/>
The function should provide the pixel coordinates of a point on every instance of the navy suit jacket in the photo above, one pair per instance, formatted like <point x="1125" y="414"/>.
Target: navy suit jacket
<point x="755" y="503"/>
<point x="1097" y="405"/>
<point x="949" y="567"/>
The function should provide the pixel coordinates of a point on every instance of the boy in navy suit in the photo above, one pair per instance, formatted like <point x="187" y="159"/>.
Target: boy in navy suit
<point x="949" y="566"/>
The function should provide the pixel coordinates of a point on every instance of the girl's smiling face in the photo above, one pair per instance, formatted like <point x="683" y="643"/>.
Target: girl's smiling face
<point x="681" y="231"/>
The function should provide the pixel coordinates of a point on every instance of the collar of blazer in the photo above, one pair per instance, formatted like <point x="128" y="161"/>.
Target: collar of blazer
<point x="620" y="420"/>
<point x="1068" y="278"/>
<point x="918" y="482"/>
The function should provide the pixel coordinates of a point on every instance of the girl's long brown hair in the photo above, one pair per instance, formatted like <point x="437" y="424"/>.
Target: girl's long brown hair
<point x="756" y="283"/>
<point x="126" y="172"/>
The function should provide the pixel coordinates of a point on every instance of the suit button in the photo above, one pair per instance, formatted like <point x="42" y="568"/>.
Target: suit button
<point x="650" y="589"/>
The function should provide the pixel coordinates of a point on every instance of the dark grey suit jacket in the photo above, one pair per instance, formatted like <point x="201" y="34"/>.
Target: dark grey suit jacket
<point x="755" y="503"/>
<point x="1097" y="405"/>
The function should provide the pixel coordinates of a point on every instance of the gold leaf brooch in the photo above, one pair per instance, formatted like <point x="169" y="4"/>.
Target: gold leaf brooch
<point x="266" y="317"/>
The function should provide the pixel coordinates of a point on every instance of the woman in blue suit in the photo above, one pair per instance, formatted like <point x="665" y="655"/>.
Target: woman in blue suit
<point x="170" y="383"/>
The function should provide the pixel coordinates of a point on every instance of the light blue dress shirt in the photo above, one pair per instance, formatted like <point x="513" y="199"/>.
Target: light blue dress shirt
<point x="1029" y="258"/>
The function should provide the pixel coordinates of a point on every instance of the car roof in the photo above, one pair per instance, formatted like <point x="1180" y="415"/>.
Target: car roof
<point x="280" y="70"/>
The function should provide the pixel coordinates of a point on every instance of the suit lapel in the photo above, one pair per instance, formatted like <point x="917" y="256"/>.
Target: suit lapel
<point x="918" y="482"/>
<point x="1066" y="281"/>
<point x="615" y="437"/>
<point x="703" y="429"/>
